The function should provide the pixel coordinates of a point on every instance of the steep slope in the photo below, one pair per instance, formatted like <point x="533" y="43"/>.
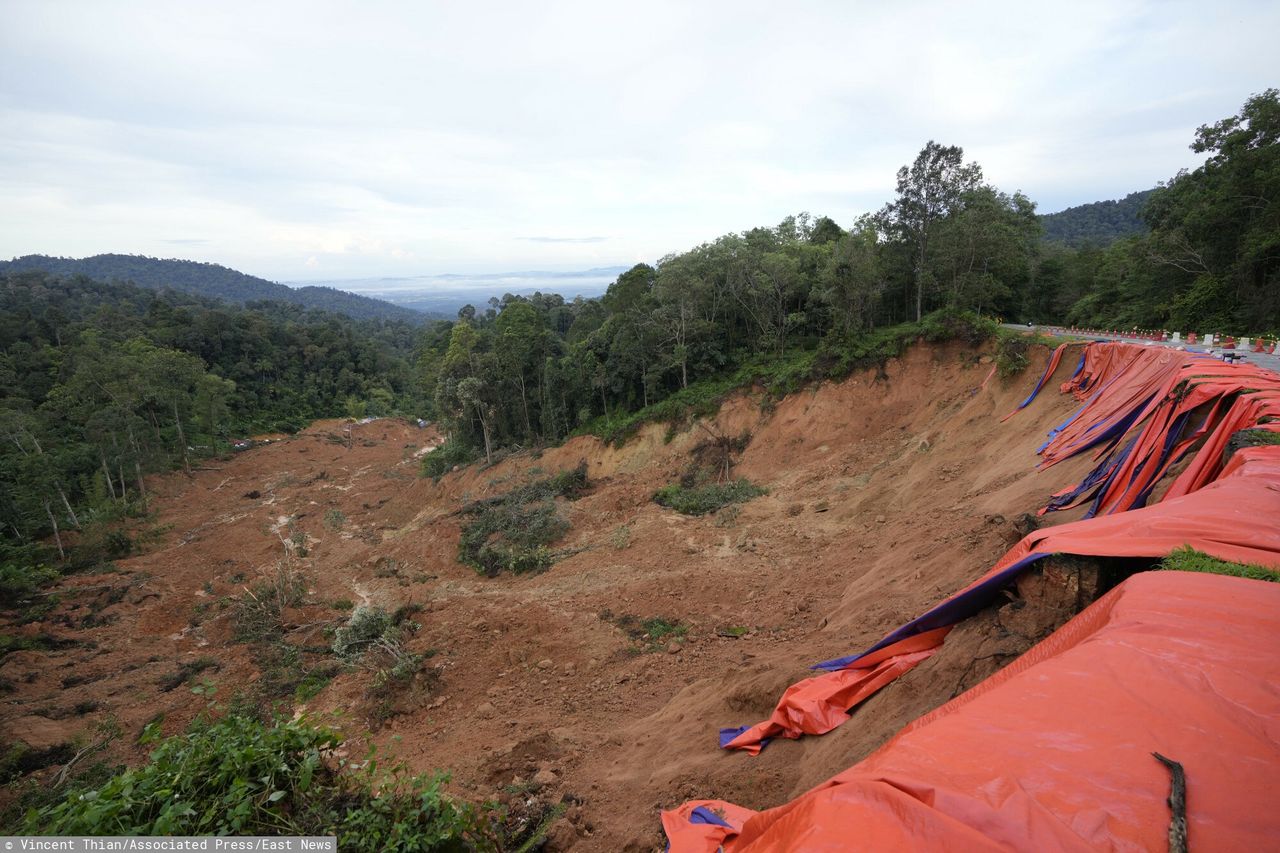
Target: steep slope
<point x="886" y="492"/>
<point x="211" y="280"/>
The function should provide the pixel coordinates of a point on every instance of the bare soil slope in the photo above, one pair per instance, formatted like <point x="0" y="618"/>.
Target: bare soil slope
<point x="885" y="493"/>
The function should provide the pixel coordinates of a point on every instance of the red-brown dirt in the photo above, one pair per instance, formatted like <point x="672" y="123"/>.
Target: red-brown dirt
<point x="884" y="496"/>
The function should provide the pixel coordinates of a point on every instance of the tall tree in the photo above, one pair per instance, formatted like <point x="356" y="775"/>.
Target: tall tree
<point x="851" y="283"/>
<point x="1216" y="229"/>
<point x="984" y="249"/>
<point x="524" y="342"/>
<point x="928" y="190"/>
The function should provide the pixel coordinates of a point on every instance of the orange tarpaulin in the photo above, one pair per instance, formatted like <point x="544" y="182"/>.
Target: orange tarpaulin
<point x="1054" y="752"/>
<point x="817" y="705"/>
<point x="1233" y="518"/>
<point x="1170" y="403"/>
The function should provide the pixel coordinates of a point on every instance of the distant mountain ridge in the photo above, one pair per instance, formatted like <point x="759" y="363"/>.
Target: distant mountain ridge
<point x="1099" y="223"/>
<point x="212" y="280"/>
<point x="444" y="294"/>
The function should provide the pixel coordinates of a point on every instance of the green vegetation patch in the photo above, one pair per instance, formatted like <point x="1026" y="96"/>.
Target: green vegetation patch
<point x="239" y="776"/>
<point x="259" y="612"/>
<point x="1249" y="438"/>
<point x="20" y="580"/>
<point x="367" y="627"/>
<point x="1013" y="350"/>
<point x="315" y="681"/>
<point x="650" y="635"/>
<point x="511" y="532"/>
<point x="32" y="643"/>
<point x="442" y="459"/>
<point x="375" y="640"/>
<point x="707" y="498"/>
<point x="1187" y="559"/>
<point x="186" y="672"/>
<point x="20" y="759"/>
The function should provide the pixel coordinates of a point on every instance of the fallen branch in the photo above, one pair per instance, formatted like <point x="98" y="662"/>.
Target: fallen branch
<point x="1177" y="804"/>
<point x="62" y="775"/>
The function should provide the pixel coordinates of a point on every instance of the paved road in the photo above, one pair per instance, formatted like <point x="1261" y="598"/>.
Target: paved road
<point x="1271" y="362"/>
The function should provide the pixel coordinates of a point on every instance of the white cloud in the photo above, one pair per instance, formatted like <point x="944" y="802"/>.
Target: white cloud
<point x="396" y="139"/>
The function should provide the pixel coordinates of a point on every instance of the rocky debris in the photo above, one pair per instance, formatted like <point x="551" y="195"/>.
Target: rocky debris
<point x="1020" y="527"/>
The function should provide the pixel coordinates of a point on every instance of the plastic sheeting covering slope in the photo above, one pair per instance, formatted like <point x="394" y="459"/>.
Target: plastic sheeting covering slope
<point x="1179" y="401"/>
<point x="1125" y="384"/>
<point x="1054" y="752"/>
<point x="1233" y="518"/>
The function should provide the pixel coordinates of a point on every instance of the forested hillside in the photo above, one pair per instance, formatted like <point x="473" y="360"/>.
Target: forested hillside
<point x="1211" y="260"/>
<point x="210" y="280"/>
<point x="1099" y="223"/>
<point x="103" y="383"/>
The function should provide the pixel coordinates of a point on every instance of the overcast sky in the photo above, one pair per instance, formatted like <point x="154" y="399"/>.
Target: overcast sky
<point x="321" y="140"/>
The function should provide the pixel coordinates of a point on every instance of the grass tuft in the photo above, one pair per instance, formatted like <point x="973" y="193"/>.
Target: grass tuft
<point x="1187" y="559"/>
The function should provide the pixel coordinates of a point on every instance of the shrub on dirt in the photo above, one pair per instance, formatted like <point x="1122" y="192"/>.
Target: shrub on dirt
<point x="259" y="612"/>
<point x="38" y="642"/>
<point x="19" y="581"/>
<point x="185" y="673"/>
<point x="949" y="324"/>
<point x="1012" y="348"/>
<point x="442" y="459"/>
<point x="1011" y="353"/>
<point x="706" y="498"/>
<point x="649" y="634"/>
<point x="374" y="639"/>
<point x="366" y="627"/>
<point x="315" y="681"/>
<point x="240" y="776"/>
<point x="511" y="532"/>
